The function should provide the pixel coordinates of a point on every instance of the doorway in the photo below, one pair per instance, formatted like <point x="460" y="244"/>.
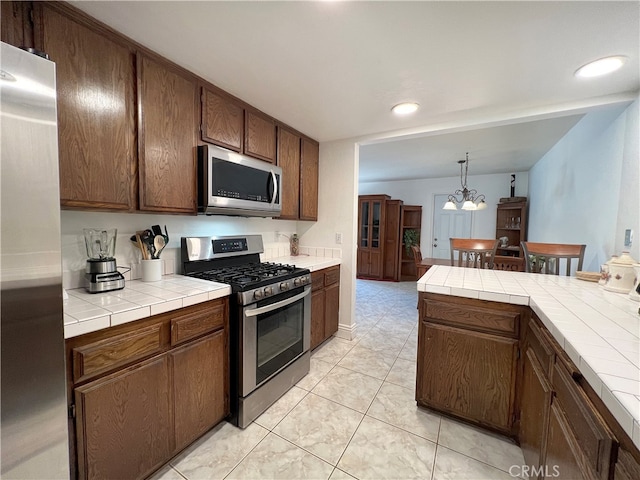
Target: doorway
<point x="447" y="224"/>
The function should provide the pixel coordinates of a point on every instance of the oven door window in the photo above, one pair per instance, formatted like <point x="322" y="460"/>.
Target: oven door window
<point x="279" y="339"/>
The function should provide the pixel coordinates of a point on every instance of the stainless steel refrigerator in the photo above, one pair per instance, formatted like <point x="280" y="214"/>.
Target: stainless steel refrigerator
<point x="33" y="433"/>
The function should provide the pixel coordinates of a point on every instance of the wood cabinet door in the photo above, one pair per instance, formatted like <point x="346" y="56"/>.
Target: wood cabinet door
<point x="331" y="309"/>
<point x="289" y="161"/>
<point x="317" y="317"/>
<point x="222" y="120"/>
<point x="200" y="386"/>
<point x="563" y="457"/>
<point x="363" y="268"/>
<point x="15" y="25"/>
<point x="260" y="136"/>
<point x="467" y="374"/>
<point x="96" y="112"/>
<point x="309" y="158"/>
<point x="168" y="121"/>
<point x="534" y="411"/>
<point x="123" y="424"/>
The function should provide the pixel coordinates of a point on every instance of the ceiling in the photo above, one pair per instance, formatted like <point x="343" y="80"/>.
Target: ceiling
<point x="494" y="79"/>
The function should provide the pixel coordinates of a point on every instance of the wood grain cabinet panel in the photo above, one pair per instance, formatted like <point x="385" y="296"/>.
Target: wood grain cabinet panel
<point x="467" y="374"/>
<point x="200" y="378"/>
<point x="475" y="315"/>
<point x="260" y="136"/>
<point x="117" y="351"/>
<point x="534" y="411"/>
<point x="168" y="125"/>
<point x="96" y="112"/>
<point x="187" y="327"/>
<point x="289" y="161"/>
<point x="309" y="165"/>
<point x="325" y="304"/>
<point x="15" y="26"/>
<point x="124" y="423"/>
<point x="563" y="459"/>
<point x="596" y="442"/>
<point x="222" y="120"/>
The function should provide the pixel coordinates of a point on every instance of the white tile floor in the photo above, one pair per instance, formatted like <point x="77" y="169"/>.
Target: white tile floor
<point x="354" y="415"/>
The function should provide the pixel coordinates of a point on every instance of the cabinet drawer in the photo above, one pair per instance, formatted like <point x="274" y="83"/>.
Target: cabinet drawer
<point x="331" y="276"/>
<point x="193" y="325"/>
<point x="537" y="340"/>
<point x="591" y="432"/>
<point x="476" y="317"/>
<point x="317" y="280"/>
<point x="104" y="355"/>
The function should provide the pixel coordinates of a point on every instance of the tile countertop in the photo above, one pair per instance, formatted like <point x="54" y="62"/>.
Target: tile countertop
<point x="86" y="312"/>
<point x="599" y="330"/>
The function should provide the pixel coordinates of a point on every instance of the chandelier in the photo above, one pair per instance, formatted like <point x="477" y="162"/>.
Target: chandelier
<point x="470" y="199"/>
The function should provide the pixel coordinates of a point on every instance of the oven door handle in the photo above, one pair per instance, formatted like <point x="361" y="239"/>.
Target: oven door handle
<point x="274" y="306"/>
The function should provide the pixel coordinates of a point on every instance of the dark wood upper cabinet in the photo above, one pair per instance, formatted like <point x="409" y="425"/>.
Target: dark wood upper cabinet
<point x="260" y="136"/>
<point x="289" y="161"/>
<point x="15" y="24"/>
<point x="309" y="160"/>
<point x="168" y="119"/>
<point x="222" y="120"/>
<point x="96" y="111"/>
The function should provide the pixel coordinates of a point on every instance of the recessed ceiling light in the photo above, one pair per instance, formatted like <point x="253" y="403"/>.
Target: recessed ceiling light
<point x="405" y="108"/>
<point x="601" y="67"/>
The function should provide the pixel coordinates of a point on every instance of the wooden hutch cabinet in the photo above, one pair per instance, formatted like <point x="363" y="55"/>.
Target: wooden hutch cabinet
<point x="371" y="222"/>
<point x="382" y="222"/>
<point x="511" y="222"/>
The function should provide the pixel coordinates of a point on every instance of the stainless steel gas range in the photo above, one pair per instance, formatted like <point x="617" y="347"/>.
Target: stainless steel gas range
<point x="270" y="318"/>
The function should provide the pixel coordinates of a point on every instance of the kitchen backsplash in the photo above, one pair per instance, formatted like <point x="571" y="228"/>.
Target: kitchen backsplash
<point x="74" y="254"/>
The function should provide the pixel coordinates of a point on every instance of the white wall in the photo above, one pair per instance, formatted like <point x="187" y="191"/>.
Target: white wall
<point x="337" y="213"/>
<point x="74" y="253"/>
<point x="585" y="189"/>
<point x="422" y="192"/>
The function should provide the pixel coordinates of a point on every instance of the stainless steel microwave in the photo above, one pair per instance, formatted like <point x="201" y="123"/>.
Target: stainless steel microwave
<point x="233" y="184"/>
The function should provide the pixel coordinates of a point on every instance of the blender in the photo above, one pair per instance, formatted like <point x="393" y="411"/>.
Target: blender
<point x="101" y="272"/>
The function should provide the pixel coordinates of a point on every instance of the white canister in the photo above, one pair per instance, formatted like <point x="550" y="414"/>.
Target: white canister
<point x="621" y="274"/>
<point x="152" y="270"/>
<point x="635" y="290"/>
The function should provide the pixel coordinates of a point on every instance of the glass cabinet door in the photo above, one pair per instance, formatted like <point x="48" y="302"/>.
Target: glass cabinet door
<point x="375" y="225"/>
<point x="364" y="225"/>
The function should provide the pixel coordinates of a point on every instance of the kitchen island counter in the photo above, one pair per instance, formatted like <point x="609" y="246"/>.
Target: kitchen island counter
<point x="599" y="330"/>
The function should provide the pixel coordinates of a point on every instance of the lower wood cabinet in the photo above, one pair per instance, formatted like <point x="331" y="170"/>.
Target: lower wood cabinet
<point x="497" y="366"/>
<point x="140" y="398"/>
<point x="325" y="304"/>
<point x="469" y="374"/>
<point x="467" y="359"/>
<point x="199" y="395"/>
<point x="123" y="422"/>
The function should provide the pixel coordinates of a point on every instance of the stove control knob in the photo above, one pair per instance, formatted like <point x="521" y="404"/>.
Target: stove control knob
<point x="258" y="294"/>
<point x="284" y="286"/>
<point x="297" y="282"/>
<point x="268" y="291"/>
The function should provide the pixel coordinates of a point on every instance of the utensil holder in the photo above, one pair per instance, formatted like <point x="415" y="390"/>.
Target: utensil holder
<point x="151" y="270"/>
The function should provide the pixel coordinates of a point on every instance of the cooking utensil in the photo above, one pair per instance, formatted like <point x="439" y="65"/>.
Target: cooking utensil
<point x="159" y="244"/>
<point x="156" y="230"/>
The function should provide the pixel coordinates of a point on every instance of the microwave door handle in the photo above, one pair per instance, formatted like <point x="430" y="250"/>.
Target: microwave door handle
<point x="274" y="306"/>
<point x="275" y="187"/>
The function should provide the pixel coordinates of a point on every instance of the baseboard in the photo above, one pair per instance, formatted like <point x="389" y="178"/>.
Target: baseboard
<point x="348" y="332"/>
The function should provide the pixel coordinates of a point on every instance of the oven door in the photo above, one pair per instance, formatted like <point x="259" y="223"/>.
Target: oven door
<point x="275" y="332"/>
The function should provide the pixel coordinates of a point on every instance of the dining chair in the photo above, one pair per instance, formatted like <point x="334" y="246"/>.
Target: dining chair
<point x="417" y="258"/>
<point x="473" y="252"/>
<point x="548" y="256"/>
<point x="503" y="262"/>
